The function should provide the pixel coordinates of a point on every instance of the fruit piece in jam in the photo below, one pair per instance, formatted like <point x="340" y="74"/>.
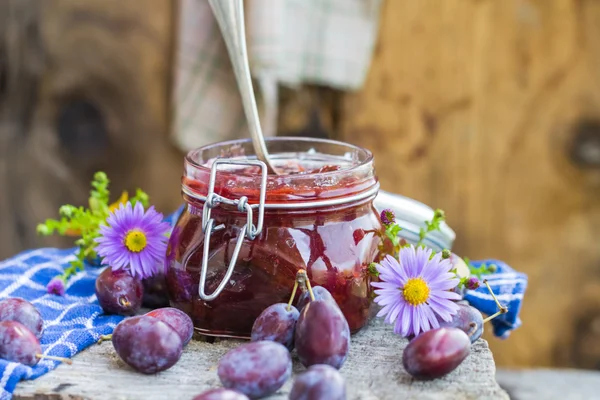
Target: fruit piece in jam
<point x="333" y="244"/>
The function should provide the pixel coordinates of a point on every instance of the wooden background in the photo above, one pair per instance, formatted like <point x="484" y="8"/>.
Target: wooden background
<point x="488" y="109"/>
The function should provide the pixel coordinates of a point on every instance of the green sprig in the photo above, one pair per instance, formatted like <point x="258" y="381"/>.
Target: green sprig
<point x="85" y="223"/>
<point x="434" y="225"/>
<point x="481" y="270"/>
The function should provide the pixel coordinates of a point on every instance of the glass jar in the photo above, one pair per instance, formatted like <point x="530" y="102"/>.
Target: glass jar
<point x="318" y="216"/>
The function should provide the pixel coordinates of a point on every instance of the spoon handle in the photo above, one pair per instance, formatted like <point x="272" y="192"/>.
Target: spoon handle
<point x="230" y="17"/>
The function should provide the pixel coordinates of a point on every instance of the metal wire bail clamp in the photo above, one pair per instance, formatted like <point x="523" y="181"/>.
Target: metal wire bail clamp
<point x="249" y="230"/>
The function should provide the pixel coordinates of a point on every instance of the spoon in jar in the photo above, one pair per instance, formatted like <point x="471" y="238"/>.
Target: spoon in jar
<point x="230" y="17"/>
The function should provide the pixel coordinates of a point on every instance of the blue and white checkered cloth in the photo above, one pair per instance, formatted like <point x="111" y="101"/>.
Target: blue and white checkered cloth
<point x="71" y="322"/>
<point x="509" y="287"/>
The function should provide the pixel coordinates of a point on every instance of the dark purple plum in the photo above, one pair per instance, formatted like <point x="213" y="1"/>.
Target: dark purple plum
<point x="436" y="353"/>
<point x="176" y="319"/>
<point x="319" y="292"/>
<point x="221" y="394"/>
<point x="118" y="292"/>
<point x="322" y="335"/>
<point x="276" y="323"/>
<point x="468" y="319"/>
<point x="256" y="369"/>
<point x="18" y="344"/>
<point x="16" y="309"/>
<point x="320" y="382"/>
<point x="147" y="344"/>
<point x="155" y="292"/>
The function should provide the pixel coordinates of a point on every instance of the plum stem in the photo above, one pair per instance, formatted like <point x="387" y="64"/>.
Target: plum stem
<point x="307" y="281"/>
<point x="310" y="291"/>
<point x="289" y="306"/>
<point x="104" y="338"/>
<point x="61" y="359"/>
<point x="473" y="329"/>
<point x="124" y="302"/>
<point x="503" y="309"/>
<point x="302" y="277"/>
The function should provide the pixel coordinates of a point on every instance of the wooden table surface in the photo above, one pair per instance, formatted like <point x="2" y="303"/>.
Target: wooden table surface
<point x="373" y="371"/>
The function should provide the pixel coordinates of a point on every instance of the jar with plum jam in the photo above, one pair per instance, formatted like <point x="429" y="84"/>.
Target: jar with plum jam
<point x="244" y="234"/>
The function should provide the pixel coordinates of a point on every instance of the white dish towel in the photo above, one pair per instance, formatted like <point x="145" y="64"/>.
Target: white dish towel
<point x="290" y="42"/>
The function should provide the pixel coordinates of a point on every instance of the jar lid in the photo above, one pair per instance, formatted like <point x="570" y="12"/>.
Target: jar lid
<point x="411" y="216"/>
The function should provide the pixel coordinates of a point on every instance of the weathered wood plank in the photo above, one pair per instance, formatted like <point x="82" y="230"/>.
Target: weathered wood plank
<point x="373" y="371"/>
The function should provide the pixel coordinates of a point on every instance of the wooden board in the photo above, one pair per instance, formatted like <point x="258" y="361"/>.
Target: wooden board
<point x="490" y="110"/>
<point x="373" y="371"/>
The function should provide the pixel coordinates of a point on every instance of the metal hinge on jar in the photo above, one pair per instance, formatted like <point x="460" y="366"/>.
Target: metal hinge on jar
<point x="249" y="230"/>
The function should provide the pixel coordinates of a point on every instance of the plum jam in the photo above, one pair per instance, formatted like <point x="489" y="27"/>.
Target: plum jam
<point x="318" y="216"/>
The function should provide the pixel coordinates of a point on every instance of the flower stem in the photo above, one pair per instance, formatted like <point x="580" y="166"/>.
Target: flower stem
<point x="61" y="359"/>
<point x="289" y="306"/>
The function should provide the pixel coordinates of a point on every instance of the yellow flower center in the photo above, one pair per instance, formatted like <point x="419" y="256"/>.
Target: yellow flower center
<point x="416" y="291"/>
<point x="135" y="241"/>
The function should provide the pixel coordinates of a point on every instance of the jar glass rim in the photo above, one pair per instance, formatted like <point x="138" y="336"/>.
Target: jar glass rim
<point x="321" y="169"/>
<point x="366" y="155"/>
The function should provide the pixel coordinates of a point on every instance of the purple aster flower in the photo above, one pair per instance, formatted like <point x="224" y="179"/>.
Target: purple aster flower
<point x="388" y="217"/>
<point x="134" y="240"/>
<point x="56" y="286"/>
<point x="415" y="290"/>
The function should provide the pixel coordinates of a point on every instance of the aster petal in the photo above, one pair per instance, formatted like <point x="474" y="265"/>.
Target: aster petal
<point x="441" y="310"/>
<point x="386" y="299"/>
<point x="406" y="257"/>
<point x="111" y="220"/>
<point x="425" y="325"/>
<point x="431" y="318"/>
<point x="135" y="266"/>
<point x="436" y="259"/>
<point x="406" y="314"/>
<point x="446" y="265"/>
<point x="390" y="271"/>
<point x="383" y="312"/>
<point x="148" y="263"/>
<point x="120" y="260"/>
<point x="391" y="310"/>
<point x="421" y="259"/>
<point x="385" y="285"/>
<point x="138" y="211"/>
<point x="444" y="284"/>
<point x="447" y="305"/>
<point x="442" y="276"/>
<point x="416" y="320"/>
<point x="397" y="310"/>
<point x="432" y="270"/>
<point x="447" y="295"/>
